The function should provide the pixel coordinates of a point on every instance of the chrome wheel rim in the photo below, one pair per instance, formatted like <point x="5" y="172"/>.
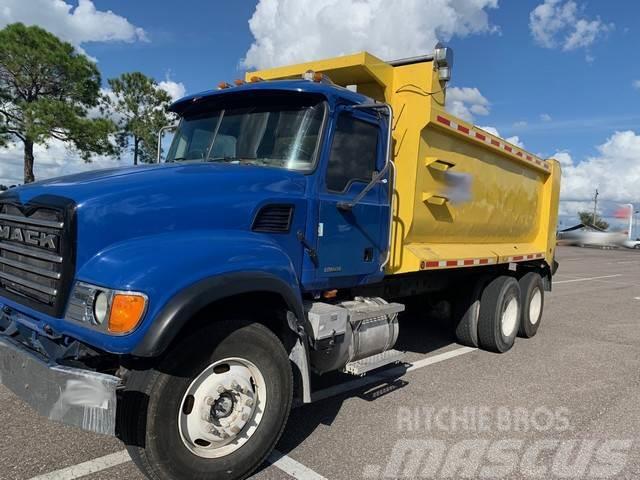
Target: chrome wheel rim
<point x="509" y="319"/>
<point x="222" y="408"/>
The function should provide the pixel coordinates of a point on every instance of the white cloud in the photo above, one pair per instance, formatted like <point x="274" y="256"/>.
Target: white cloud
<point x="564" y="158"/>
<point x="520" y="124"/>
<point x="466" y="102"/>
<point x="176" y="90"/>
<point x="545" y="117"/>
<point x="289" y="31"/>
<point x="614" y="171"/>
<point x="636" y="84"/>
<point x="562" y="23"/>
<point x="51" y="160"/>
<point x="78" y="25"/>
<point x="515" y="139"/>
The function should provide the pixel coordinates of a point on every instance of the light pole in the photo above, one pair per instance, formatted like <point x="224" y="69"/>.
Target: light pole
<point x="632" y="214"/>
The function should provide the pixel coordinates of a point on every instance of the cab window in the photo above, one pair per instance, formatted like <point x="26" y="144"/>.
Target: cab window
<point x="353" y="152"/>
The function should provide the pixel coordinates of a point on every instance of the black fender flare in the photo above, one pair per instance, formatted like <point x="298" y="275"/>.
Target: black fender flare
<point x="185" y="304"/>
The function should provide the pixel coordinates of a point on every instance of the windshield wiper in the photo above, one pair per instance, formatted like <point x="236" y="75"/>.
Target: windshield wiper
<point x="225" y="158"/>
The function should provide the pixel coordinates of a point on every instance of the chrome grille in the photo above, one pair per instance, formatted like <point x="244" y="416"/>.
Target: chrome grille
<point x="32" y="253"/>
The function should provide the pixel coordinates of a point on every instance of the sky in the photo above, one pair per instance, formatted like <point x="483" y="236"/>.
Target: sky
<point x="559" y="77"/>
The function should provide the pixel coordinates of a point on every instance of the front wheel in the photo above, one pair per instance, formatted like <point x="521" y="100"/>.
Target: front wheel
<point x="215" y="406"/>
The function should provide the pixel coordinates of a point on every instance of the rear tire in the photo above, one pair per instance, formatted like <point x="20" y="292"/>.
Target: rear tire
<point x="466" y="312"/>
<point x="532" y="302"/>
<point x="158" y="426"/>
<point x="499" y="314"/>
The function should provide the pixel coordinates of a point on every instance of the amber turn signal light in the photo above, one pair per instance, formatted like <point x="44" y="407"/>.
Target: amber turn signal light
<point x="126" y="312"/>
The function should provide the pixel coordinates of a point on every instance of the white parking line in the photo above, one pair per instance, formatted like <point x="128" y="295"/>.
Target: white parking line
<point x="295" y="469"/>
<point x="277" y="459"/>
<point x="587" y="279"/>
<point x="86" y="468"/>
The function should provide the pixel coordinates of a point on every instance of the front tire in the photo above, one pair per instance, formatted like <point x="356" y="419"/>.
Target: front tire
<point x="499" y="314"/>
<point x="215" y="406"/>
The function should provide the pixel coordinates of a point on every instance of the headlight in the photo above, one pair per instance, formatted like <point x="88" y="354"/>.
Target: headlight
<point x="113" y="311"/>
<point x="101" y="307"/>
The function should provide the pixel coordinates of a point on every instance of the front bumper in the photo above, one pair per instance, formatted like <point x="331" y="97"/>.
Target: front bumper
<point x="73" y="396"/>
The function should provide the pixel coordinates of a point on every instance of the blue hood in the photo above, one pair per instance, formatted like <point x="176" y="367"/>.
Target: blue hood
<point x="115" y="205"/>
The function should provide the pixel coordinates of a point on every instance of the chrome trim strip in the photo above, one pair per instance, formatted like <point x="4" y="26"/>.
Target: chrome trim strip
<point x="29" y="284"/>
<point x="31" y="253"/>
<point x="31" y="221"/>
<point x="30" y="268"/>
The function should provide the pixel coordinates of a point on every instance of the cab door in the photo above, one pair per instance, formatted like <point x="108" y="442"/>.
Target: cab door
<point x="352" y="242"/>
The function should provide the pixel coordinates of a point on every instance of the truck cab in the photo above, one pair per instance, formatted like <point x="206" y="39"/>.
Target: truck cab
<point x="312" y="130"/>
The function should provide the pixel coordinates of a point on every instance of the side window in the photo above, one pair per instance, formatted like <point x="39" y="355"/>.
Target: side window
<point x="353" y="152"/>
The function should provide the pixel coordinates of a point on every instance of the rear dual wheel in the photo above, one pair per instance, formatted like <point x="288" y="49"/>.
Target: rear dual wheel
<point x="532" y="300"/>
<point x="499" y="314"/>
<point x="490" y="314"/>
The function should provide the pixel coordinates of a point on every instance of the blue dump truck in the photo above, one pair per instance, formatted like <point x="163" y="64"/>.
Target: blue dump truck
<point x="184" y="306"/>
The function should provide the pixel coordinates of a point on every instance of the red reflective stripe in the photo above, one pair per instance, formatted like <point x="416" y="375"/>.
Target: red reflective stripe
<point x="484" y="261"/>
<point x="431" y="264"/>
<point x="519" y="257"/>
<point x="444" y="120"/>
<point x="468" y="262"/>
<point x="495" y="142"/>
<point x="452" y="263"/>
<point x="519" y="154"/>
<point x="480" y="136"/>
<point x="462" y="128"/>
<point x="508" y="148"/>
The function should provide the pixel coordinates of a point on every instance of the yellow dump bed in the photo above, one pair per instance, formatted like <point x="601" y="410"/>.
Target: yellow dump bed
<point x="463" y="197"/>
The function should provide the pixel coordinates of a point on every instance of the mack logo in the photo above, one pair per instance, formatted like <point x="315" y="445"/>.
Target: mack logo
<point x="29" y="237"/>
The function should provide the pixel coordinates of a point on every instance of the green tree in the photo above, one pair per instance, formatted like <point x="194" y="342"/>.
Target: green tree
<point x="587" y="219"/>
<point x="141" y="109"/>
<point x="46" y="91"/>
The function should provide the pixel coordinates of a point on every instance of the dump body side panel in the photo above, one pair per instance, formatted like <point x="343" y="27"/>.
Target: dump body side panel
<point x="463" y="197"/>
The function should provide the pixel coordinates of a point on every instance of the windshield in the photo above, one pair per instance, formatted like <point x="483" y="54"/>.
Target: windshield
<point x="283" y="135"/>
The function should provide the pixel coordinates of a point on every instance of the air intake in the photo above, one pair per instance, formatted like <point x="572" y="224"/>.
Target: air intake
<point x="273" y="219"/>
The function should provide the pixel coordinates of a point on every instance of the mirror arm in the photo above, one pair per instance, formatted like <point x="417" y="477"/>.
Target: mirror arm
<point x="160" y="135"/>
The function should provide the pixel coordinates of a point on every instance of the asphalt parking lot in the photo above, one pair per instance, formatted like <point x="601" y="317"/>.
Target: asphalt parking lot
<point x="561" y="405"/>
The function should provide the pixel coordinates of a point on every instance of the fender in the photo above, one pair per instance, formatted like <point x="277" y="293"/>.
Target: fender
<point x="181" y="308"/>
<point x="189" y="301"/>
